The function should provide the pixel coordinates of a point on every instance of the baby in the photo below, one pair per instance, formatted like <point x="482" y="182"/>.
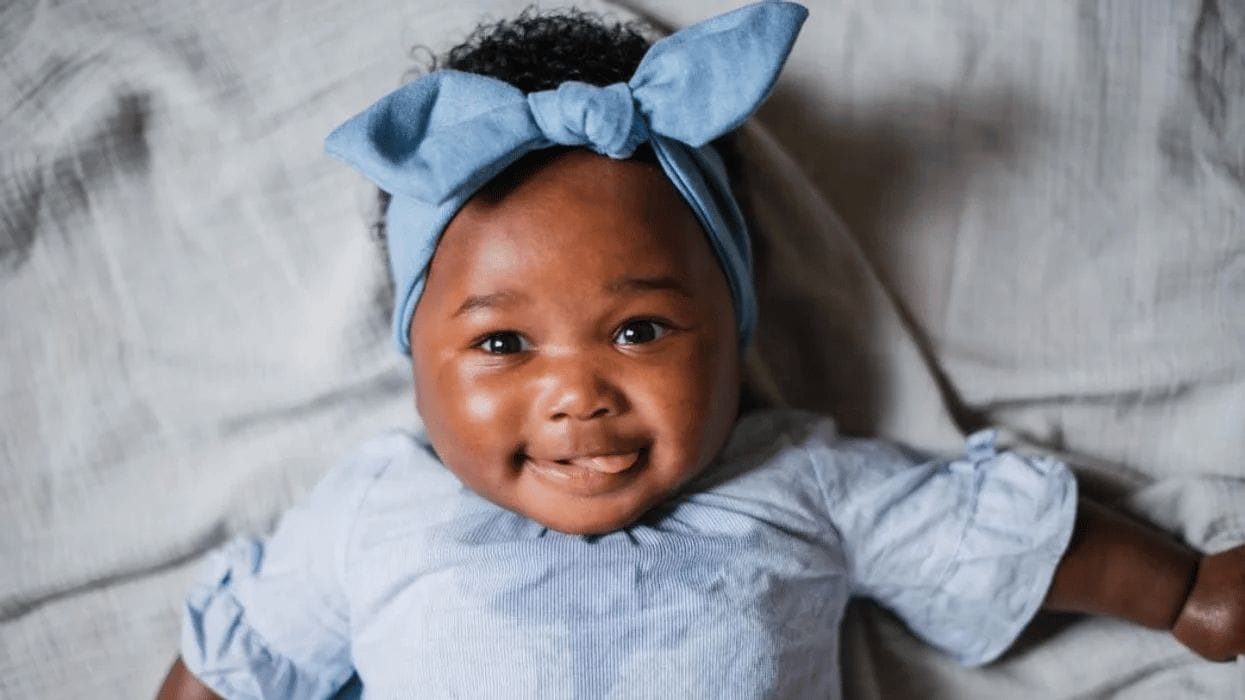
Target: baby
<point x="590" y="513"/>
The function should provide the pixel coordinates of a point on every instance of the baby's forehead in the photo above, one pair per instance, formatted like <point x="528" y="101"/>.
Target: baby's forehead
<point x="578" y="173"/>
<point x="543" y="199"/>
<point x="609" y="219"/>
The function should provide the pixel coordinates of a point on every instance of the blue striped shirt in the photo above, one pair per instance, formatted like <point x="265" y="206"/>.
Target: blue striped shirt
<point x="395" y="574"/>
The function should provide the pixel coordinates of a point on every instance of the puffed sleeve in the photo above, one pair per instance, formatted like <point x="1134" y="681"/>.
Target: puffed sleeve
<point x="267" y="617"/>
<point x="963" y="550"/>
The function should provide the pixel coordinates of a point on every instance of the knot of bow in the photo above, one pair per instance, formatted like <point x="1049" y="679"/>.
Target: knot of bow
<point x="579" y="114"/>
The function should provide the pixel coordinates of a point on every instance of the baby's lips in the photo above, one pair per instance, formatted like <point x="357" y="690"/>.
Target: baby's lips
<point x="609" y="464"/>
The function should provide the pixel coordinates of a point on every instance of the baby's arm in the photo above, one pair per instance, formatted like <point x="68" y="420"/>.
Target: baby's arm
<point x="181" y="684"/>
<point x="1114" y="566"/>
<point x="268" y="616"/>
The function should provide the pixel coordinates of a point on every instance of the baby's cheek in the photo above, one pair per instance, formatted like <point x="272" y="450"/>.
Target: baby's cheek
<point x="678" y="404"/>
<point x="483" y="404"/>
<point x="714" y="403"/>
<point x="475" y="431"/>
<point x="480" y="406"/>
<point x="455" y="403"/>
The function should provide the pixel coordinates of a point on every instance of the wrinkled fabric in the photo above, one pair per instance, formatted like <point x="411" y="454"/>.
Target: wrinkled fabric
<point x="434" y="142"/>
<point x="195" y="321"/>
<point x="736" y="588"/>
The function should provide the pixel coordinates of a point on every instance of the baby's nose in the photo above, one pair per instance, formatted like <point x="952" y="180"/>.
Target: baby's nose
<point x="581" y="393"/>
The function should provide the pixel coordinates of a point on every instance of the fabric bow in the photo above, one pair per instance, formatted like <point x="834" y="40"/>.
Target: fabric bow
<point x="437" y="140"/>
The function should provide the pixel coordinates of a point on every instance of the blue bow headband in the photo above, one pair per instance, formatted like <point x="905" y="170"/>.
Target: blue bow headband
<point x="436" y="141"/>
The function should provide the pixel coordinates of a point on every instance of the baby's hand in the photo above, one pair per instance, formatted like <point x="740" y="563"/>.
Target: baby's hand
<point x="1212" y="621"/>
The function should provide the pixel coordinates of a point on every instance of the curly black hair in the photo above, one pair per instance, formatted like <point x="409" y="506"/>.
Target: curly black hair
<point x="539" y="50"/>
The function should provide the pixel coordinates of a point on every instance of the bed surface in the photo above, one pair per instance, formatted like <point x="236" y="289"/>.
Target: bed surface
<point x="1028" y="215"/>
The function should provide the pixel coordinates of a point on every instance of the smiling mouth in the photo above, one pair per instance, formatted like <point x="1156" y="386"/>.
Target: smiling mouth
<point x="588" y="475"/>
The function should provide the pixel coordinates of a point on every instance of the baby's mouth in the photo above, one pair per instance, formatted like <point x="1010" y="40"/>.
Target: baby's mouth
<point x="588" y="474"/>
<point x="609" y="464"/>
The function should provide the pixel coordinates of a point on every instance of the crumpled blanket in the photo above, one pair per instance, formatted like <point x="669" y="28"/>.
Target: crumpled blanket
<point x="967" y="213"/>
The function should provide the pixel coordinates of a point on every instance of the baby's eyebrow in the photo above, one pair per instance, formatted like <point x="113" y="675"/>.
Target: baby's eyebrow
<point x="644" y="284"/>
<point x="486" y="301"/>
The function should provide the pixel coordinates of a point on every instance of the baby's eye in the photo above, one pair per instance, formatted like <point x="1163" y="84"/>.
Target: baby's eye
<point x="504" y="343"/>
<point x="636" y="332"/>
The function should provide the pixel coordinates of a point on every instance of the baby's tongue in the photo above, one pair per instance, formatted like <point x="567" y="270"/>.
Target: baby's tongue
<point x="610" y="464"/>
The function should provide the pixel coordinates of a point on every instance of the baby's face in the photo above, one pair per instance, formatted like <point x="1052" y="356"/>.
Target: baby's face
<point x="574" y="351"/>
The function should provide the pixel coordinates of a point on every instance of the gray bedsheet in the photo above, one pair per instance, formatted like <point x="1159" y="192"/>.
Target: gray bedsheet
<point x="1024" y="214"/>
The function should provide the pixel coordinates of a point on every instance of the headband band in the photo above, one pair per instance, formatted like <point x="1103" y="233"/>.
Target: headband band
<point x="437" y="140"/>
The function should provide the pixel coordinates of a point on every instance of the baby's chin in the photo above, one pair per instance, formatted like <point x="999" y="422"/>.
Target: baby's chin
<point x="594" y="515"/>
<point x="591" y="525"/>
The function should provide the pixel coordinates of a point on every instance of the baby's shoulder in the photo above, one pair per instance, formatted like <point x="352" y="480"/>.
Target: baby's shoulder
<point x="391" y="462"/>
<point x="389" y="451"/>
<point x="775" y="435"/>
<point x="762" y="432"/>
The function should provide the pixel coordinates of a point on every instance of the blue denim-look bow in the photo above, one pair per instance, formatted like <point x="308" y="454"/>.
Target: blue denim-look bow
<point x="437" y="140"/>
